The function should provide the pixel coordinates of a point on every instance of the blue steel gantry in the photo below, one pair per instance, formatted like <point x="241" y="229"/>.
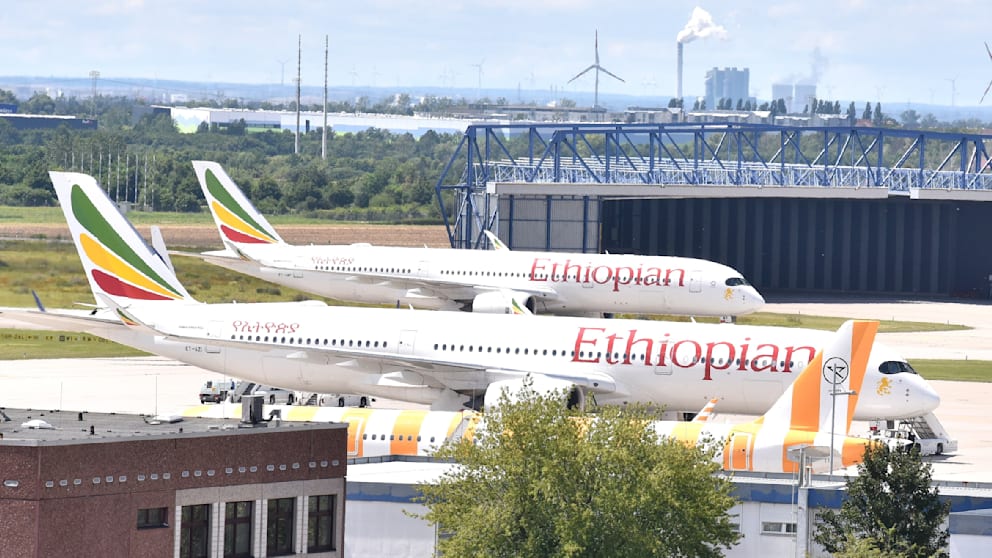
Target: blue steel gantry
<point x="700" y="154"/>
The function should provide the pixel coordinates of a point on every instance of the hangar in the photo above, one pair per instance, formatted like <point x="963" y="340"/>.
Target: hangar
<point x="813" y="209"/>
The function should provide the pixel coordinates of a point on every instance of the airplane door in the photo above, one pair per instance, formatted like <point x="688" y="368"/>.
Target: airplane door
<point x="696" y="281"/>
<point x="407" y="339"/>
<point x="665" y="369"/>
<point x="214" y="329"/>
<point x="356" y="429"/>
<point x="422" y="268"/>
<point x="740" y="452"/>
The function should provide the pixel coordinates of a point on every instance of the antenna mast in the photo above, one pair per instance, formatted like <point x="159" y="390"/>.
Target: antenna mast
<point x="323" y="136"/>
<point x="299" y="60"/>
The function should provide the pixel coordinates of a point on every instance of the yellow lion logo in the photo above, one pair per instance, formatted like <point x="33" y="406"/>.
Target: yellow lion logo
<point x="728" y="294"/>
<point x="884" y="387"/>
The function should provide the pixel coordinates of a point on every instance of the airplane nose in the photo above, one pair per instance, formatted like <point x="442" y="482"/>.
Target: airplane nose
<point x="929" y="399"/>
<point x="753" y="300"/>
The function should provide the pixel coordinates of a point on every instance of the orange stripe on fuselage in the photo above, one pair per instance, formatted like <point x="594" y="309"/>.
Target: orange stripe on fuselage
<point x="358" y="420"/>
<point x="405" y="431"/>
<point x="794" y="439"/>
<point x="854" y="450"/>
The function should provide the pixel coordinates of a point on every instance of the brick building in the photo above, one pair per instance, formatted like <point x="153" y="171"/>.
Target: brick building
<point x="85" y="484"/>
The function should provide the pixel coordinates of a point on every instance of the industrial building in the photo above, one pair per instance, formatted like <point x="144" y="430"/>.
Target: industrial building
<point x="92" y="484"/>
<point x="815" y="209"/>
<point x="728" y="84"/>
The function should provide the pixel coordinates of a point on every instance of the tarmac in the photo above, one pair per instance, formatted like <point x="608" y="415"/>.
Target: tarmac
<point x="155" y="385"/>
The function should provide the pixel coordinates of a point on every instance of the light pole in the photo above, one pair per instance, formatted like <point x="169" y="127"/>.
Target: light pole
<point x="804" y="454"/>
<point x="836" y="371"/>
<point x="833" y="413"/>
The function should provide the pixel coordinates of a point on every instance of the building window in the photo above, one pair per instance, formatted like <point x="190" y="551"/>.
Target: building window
<point x="777" y="528"/>
<point x="152" y="518"/>
<point x="321" y="533"/>
<point x="237" y="529"/>
<point x="279" y="527"/>
<point x="194" y="532"/>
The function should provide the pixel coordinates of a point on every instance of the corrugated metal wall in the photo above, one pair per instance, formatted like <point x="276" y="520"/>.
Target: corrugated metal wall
<point x="892" y="246"/>
<point x="550" y="223"/>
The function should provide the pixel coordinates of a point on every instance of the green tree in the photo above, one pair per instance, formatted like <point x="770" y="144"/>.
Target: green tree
<point x="866" y="115"/>
<point x="7" y="97"/>
<point x="39" y="103"/>
<point x="539" y="481"/>
<point x="910" y="118"/>
<point x="891" y="502"/>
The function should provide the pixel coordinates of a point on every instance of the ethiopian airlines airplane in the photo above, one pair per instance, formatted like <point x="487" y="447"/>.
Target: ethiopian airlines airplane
<point x="497" y="281"/>
<point x="803" y="416"/>
<point x="448" y="359"/>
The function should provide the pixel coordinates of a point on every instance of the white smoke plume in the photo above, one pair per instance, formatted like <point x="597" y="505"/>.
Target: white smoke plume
<point x="700" y="26"/>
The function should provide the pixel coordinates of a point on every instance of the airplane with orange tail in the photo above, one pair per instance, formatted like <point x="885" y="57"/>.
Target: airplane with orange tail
<point x="815" y="410"/>
<point x="817" y="407"/>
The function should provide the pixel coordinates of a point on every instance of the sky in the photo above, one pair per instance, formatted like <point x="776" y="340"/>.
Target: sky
<point x="916" y="51"/>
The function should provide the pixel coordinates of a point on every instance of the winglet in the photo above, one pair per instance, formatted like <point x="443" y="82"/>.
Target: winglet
<point x="236" y="218"/>
<point x="37" y="301"/>
<point x="495" y="242"/>
<point x="158" y="245"/>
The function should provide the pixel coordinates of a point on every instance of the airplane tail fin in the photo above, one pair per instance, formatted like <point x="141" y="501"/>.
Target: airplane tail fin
<point x="829" y="385"/>
<point x="237" y="220"/>
<point x="706" y="413"/>
<point x="119" y="264"/>
<point x="495" y="243"/>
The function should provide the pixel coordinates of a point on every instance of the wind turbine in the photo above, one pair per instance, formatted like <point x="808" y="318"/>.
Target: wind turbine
<point x="479" y="68"/>
<point x="598" y="68"/>
<point x="989" y="86"/>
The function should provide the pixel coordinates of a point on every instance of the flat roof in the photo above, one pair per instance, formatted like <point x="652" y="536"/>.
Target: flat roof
<point x="36" y="427"/>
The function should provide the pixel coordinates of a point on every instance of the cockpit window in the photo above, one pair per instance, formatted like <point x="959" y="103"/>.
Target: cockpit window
<point x="895" y="367"/>
<point x="736" y="281"/>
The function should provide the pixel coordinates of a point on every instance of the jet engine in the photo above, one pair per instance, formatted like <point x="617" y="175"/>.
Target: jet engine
<point x="572" y="396"/>
<point x="503" y="302"/>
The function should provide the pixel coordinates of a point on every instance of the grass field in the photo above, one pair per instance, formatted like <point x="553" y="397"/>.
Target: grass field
<point x="54" y="216"/>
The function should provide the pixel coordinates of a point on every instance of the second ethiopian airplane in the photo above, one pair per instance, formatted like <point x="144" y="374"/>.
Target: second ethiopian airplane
<point x="498" y="281"/>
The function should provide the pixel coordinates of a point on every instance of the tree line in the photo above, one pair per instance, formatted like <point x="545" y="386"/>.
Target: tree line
<point x="140" y="157"/>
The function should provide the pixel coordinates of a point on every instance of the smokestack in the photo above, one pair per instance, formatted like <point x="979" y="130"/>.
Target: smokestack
<point x="678" y="76"/>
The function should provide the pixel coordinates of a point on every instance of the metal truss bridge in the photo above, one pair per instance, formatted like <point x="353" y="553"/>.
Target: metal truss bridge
<point x="704" y="154"/>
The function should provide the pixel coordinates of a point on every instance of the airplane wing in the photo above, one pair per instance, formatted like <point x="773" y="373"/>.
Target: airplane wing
<point x="68" y="320"/>
<point x="460" y="291"/>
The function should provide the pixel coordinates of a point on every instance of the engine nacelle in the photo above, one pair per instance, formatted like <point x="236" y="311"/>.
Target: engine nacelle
<point x="503" y="302"/>
<point x="574" y="395"/>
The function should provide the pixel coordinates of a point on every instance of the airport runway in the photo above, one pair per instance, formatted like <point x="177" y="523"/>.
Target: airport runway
<point x="154" y="385"/>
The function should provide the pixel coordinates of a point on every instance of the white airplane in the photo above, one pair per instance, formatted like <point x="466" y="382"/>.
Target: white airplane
<point x="446" y="359"/>
<point x="805" y="415"/>
<point x="498" y="281"/>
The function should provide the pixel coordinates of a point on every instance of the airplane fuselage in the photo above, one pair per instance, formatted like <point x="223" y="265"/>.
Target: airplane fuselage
<point x="570" y="284"/>
<point x="428" y="357"/>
